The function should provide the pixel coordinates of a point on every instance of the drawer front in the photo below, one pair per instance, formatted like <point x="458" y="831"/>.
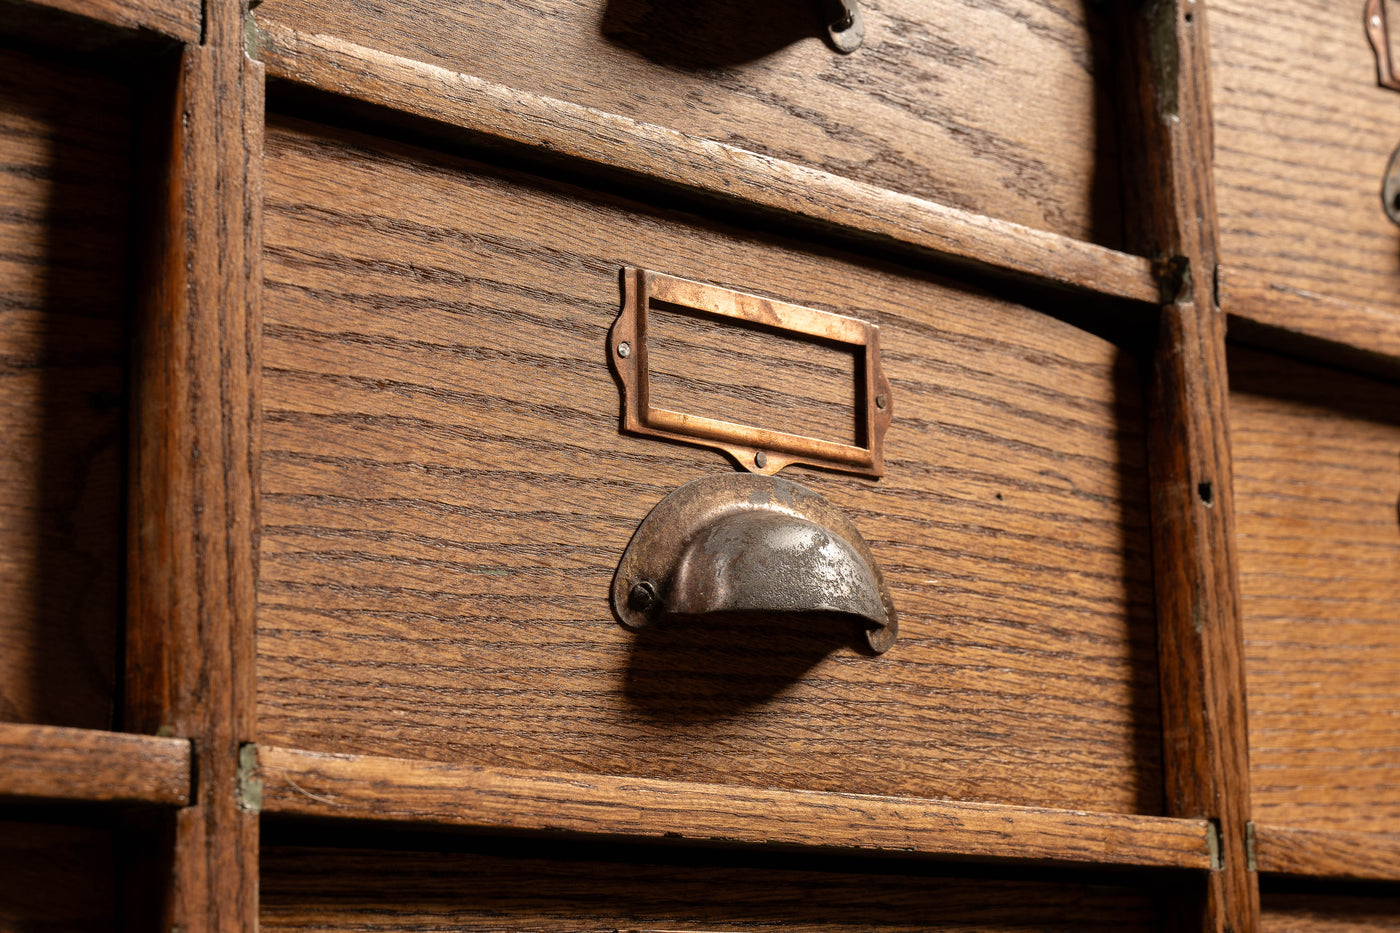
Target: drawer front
<point x="509" y="887"/>
<point x="1290" y="912"/>
<point x="1317" y="488"/>
<point x="987" y="107"/>
<point x="65" y="177"/>
<point x="1303" y="135"/>
<point x="446" y="493"/>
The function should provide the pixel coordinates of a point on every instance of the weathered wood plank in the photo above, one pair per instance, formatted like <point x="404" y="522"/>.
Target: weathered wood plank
<point x="192" y="526"/>
<point x="994" y="109"/>
<point x="399" y="791"/>
<point x="177" y="19"/>
<point x="746" y="179"/>
<point x="1327" y="853"/>
<point x="1204" y="725"/>
<point x="56" y="763"/>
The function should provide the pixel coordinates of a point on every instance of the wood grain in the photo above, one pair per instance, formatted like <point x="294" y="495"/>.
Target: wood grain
<point x="987" y="109"/>
<point x="57" y="878"/>
<point x="1340" y="333"/>
<point x="192" y="526"/>
<point x="178" y="19"/>
<point x="1318" y="481"/>
<point x="446" y="494"/>
<point x="1303" y="134"/>
<point x="1330" y="913"/>
<point x="394" y="790"/>
<point x="55" y="763"/>
<point x="65" y="173"/>
<point x="893" y="222"/>
<point x="503" y="888"/>
<point x="1205" y="756"/>
<point x="1327" y="853"/>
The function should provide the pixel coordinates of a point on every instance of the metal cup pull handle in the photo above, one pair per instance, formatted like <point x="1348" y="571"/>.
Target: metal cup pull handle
<point x="845" y="27"/>
<point x="745" y="543"/>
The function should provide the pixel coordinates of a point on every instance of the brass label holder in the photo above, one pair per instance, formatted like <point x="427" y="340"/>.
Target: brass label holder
<point x="758" y="450"/>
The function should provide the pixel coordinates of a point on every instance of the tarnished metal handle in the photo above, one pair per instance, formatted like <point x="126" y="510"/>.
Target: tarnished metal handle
<point x="744" y="543"/>
<point x="845" y="27"/>
<point x="1379" y="34"/>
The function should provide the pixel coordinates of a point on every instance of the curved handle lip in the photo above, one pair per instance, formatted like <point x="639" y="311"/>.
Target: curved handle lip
<point x="748" y="543"/>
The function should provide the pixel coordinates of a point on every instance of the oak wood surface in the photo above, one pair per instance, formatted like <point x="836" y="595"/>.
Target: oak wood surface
<point x="1171" y="200"/>
<point x="504" y="889"/>
<point x="501" y="889"/>
<point x="57" y="878"/>
<point x="178" y="19"/>
<point x="65" y="173"/>
<point x="445" y="495"/>
<point x="752" y="181"/>
<point x="52" y="762"/>
<point x="1285" y="912"/>
<point x="985" y="108"/>
<point x="1340" y="333"/>
<point x="1327" y="853"/>
<point x="395" y="790"/>
<point x="1318" y="497"/>
<point x="192" y="523"/>
<point x="1303" y="135"/>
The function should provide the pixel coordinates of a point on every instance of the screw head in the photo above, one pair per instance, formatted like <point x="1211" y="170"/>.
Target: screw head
<point x="881" y="401"/>
<point x="642" y="597"/>
<point x="624" y="350"/>
<point x="760" y="459"/>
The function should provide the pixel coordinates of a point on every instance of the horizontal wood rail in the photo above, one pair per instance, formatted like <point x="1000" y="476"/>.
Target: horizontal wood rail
<point x="55" y="763"/>
<point x="350" y="787"/>
<point x="1322" y="328"/>
<point x="1323" y="853"/>
<point x="178" y="19"/>
<point x="672" y="158"/>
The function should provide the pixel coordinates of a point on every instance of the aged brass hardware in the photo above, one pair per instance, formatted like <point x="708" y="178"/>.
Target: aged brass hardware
<point x="844" y="25"/>
<point x="758" y="450"/>
<point x="739" y="543"/>
<point x="1378" y="31"/>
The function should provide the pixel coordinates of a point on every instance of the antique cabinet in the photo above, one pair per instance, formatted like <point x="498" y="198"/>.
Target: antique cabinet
<point x="350" y="352"/>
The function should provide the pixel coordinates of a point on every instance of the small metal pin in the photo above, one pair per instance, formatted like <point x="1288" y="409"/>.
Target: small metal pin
<point x="624" y="350"/>
<point x="881" y="401"/>
<point x="760" y="459"/>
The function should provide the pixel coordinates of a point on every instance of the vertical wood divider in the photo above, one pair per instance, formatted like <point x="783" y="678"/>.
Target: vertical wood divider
<point x="1172" y="218"/>
<point x="192" y="526"/>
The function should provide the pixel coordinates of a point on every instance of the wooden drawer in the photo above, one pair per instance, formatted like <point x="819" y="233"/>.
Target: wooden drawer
<point x="1302" y="137"/>
<point x="1357" y="911"/>
<point x="513" y="887"/>
<point x="1317" y="487"/>
<point x="445" y="495"/>
<point x="66" y="142"/>
<point x="991" y="108"/>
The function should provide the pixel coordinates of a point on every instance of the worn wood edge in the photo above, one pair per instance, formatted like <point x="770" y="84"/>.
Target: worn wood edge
<point x="353" y="787"/>
<point x="59" y="763"/>
<point x="1311" y="326"/>
<point x="182" y="20"/>
<point x="1325" y="853"/>
<point x="1171" y="208"/>
<point x="613" y="143"/>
